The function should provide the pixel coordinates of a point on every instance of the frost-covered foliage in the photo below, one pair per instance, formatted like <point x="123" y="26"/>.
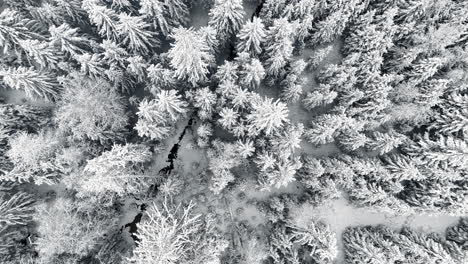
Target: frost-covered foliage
<point x="222" y="158"/>
<point x="118" y="170"/>
<point x="63" y="229"/>
<point x="91" y="109"/>
<point x="33" y="157"/>
<point x="16" y="210"/>
<point x="156" y="117"/>
<point x="172" y="234"/>
<point x="382" y="244"/>
<point x="190" y="56"/>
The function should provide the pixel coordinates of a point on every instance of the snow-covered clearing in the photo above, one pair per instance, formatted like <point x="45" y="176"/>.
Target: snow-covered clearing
<point x="340" y="214"/>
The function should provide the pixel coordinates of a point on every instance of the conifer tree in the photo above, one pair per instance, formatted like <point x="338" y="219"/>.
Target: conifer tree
<point x="33" y="83"/>
<point x="279" y="46"/>
<point x="385" y="142"/>
<point x="135" y="34"/>
<point x="118" y="170"/>
<point x="205" y="101"/>
<point x="226" y="17"/>
<point x="254" y="73"/>
<point x="267" y="116"/>
<point x="104" y="18"/>
<point x="325" y="128"/>
<point x="190" y="56"/>
<point x="251" y="37"/>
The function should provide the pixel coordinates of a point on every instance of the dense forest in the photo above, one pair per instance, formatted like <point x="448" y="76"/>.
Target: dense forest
<point x="224" y="131"/>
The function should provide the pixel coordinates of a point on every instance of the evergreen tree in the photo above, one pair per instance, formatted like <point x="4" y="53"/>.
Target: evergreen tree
<point x="118" y="170"/>
<point x="33" y="83"/>
<point x="279" y="46"/>
<point x="204" y="100"/>
<point x="226" y="17"/>
<point x="385" y="142"/>
<point x="251" y="37"/>
<point x="267" y="116"/>
<point x="33" y="157"/>
<point x="190" y="56"/>
<point x="134" y="32"/>
<point x="104" y="18"/>
<point x="228" y="118"/>
<point x="253" y="74"/>
<point x="325" y="128"/>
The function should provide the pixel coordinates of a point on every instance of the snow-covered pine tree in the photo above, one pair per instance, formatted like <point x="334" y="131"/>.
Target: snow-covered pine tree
<point x="68" y="40"/>
<point x="135" y="34"/>
<point x="279" y="46"/>
<point x="190" y="56"/>
<point x="251" y="37"/>
<point x="33" y="157"/>
<point x="226" y="17"/>
<point x="27" y="118"/>
<point x="13" y="29"/>
<point x="41" y="53"/>
<point x="253" y="74"/>
<point x="228" y="118"/>
<point x="104" y="18"/>
<point x="385" y="142"/>
<point x="205" y="101"/>
<point x="267" y="116"/>
<point x="325" y="128"/>
<point x="165" y="14"/>
<point x="34" y="83"/>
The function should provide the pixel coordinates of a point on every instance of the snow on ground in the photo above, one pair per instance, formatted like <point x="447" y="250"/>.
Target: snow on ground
<point x="19" y="97"/>
<point x="198" y="16"/>
<point x="340" y="214"/>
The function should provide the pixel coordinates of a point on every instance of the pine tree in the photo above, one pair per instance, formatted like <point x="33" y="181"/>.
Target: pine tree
<point x="204" y="100"/>
<point x="165" y="14"/>
<point x="385" y="142"/>
<point x="135" y="35"/>
<point x="190" y="56"/>
<point x="226" y="17"/>
<point x="254" y="73"/>
<point x="155" y="11"/>
<point x="91" y="65"/>
<point x="246" y="148"/>
<point x="14" y="29"/>
<point x="279" y="46"/>
<point x="33" y="83"/>
<point x="443" y="151"/>
<point x="33" y="157"/>
<point x="171" y="234"/>
<point x="17" y="118"/>
<point x="171" y="104"/>
<point x="325" y="128"/>
<point x="68" y="40"/>
<point x="118" y="170"/>
<point x="318" y="57"/>
<point x="267" y="116"/>
<point x="104" y="18"/>
<point x="228" y="118"/>
<point x="41" y="53"/>
<point x="251" y="37"/>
